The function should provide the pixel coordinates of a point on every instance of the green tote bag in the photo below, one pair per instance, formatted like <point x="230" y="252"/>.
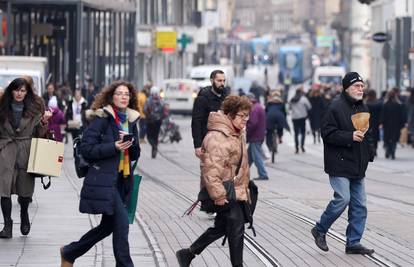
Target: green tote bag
<point x="133" y="201"/>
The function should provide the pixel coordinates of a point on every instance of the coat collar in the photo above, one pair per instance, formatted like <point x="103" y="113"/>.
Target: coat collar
<point x="133" y="115"/>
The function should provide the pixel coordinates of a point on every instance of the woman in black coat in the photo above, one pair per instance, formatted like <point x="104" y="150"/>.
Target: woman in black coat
<point x="109" y="180"/>
<point x="393" y="118"/>
<point x="375" y="106"/>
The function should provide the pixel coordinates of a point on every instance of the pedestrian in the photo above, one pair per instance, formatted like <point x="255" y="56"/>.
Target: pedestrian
<point x="142" y="97"/>
<point x="374" y="106"/>
<point x="51" y="92"/>
<point x="410" y="117"/>
<point x="224" y="149"/>
<point x="346" y="155"/>
<point x="208" y="99"/>
<point x="256" y="129"/>
<point x="109" y="181"/>
<point x="22" y="117"/>
<point x="75" y="114"/>
<point x="393" y="119"/>
<point x="300" y="107"/>
<point x="287" y="83"/>
<point x="57" y="119"/>
<point x="275" y="118"/>
<point x="154" y="114"/>
<point x="89" y="92"/>
<point x="316" y="113"/>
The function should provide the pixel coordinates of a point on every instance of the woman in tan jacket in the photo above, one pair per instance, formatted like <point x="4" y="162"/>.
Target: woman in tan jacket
<point x="224" y="148"/>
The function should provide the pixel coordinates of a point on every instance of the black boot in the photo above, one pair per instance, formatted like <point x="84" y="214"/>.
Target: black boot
<point x="154" y="152"/>
<point x="359" y="249"/>
<point x="320" y="239"/>
<point x="7" y="231"/>
<point x="24" y="215"/>
<point x="184" y="257"/>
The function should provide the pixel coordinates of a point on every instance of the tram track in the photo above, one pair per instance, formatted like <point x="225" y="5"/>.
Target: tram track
<point x="375" y="258"/>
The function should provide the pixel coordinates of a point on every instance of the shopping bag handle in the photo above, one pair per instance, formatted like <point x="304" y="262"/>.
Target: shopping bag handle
<point x="47" y="185"/>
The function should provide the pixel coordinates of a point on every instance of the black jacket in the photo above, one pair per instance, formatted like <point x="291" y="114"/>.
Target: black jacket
<point x="344" y="157"/>
<point x="205" y="102"/>
<point x="393" y="119"/>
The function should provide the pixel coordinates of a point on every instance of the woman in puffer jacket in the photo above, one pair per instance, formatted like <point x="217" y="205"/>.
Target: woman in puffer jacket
<point x="224" y="148"/>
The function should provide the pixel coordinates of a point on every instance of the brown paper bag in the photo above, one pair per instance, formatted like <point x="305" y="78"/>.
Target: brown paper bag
<point x="404" y="136"/>
<point x="361" y="121"/>
<point x="46" y="157"/>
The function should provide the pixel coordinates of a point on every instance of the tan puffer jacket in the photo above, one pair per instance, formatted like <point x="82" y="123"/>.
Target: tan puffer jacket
<point x="222" y="150"/>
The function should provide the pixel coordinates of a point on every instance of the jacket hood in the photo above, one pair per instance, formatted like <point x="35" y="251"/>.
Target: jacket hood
<point x="218" y="121"/>
<point x="133" y="115"/>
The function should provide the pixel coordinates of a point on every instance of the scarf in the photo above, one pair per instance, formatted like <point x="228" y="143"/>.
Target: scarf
<point x="17" y="109"/>
<point x="121" y="120"/>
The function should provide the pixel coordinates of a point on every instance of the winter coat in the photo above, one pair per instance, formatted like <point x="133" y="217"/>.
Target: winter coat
<point x="410" y="117"/>
<point x="71" y="110"/>
<point x="154" y="109"/>
<point x="205" y="102"/>
<point x="301" y="108"/>
<point x="256" y="126"/>
<point x="344" y="157"/>
<point x="316" y="112"/>
<point x="57" y="119"/>
<point x="14" y="155"/>
<point x="393" y="118"/>
<point x="141" y="100"/>
<point x="222" y="148"/>
<point x="374" y="121"/>
<point x="102" y="181"/>
<point x="276" y="116"/>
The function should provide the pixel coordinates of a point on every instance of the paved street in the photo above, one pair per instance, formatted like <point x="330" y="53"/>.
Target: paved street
<point x="290" y="202"/>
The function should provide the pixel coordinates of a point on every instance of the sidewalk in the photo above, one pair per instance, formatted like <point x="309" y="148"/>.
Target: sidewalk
<point x="56" y="221"/>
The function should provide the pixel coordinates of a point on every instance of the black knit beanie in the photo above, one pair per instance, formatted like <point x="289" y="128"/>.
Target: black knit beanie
<point x="350" y="78"/>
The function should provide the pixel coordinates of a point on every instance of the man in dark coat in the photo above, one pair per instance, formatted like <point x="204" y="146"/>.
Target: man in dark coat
<point x="346" y="155"/>
<point x="209" y="99"/>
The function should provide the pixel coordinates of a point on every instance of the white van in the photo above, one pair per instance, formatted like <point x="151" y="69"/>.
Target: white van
<point x="12" y="67"/>
<point x="328" y="74"/>
<point x="179" y="94"/>
<point x="201" y="74"/>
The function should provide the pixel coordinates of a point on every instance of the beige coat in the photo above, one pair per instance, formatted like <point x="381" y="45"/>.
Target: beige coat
<point x="222" y="149"/>
<point x="14" y="156"/>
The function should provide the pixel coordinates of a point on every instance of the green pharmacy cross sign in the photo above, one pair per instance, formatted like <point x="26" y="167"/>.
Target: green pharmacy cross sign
<point x="184" y="41"/>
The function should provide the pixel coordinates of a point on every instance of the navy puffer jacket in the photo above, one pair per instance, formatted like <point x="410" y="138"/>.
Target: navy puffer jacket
<point x="98" y="147"/>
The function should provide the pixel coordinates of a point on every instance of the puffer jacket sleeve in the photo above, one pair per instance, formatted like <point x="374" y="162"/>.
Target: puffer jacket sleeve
<point x="92" y="147"/>
<point x="212" y="165"/>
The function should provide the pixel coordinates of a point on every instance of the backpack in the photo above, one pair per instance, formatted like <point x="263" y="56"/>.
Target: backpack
<point x="81" y="164"/>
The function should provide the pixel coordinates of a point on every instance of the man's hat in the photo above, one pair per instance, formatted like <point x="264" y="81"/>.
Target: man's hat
<point x="350" y="78"/>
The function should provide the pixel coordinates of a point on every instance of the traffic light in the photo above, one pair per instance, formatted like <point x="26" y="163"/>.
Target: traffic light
<point x="366" y="1"/>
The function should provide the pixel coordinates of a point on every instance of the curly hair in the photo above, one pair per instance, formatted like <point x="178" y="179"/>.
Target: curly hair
<point x="104" y="98"/>
<point x="233" y="104"/>
<point x="33" y="104"/>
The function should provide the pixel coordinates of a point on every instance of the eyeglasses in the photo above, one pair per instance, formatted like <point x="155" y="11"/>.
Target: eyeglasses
<point x="122" y="94"/>
<point x="243" y="116"/>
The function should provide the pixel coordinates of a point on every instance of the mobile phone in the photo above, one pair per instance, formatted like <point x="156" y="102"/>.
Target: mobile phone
<point x="127" y="137"/>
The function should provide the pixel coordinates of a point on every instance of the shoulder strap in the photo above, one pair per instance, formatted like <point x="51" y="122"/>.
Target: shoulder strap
<point x="241" y="158"/>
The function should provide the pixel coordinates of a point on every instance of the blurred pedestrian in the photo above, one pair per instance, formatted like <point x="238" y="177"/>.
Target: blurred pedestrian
<point x="410" y="117"/>
<point x="300" y="107"/>
<point x="142" y="97"/>
<point x="275" y="118"/>
<point x="316" y="113"/>
<point x="208" y="99"/>
<point x="224" y="148"/>
<point x="256" y="129"/>
<point x="374" y="106"/>
<point x="108" y="183"/>
<point x="57" y="119"/>
<point x="154" y="114"/>
<point x="51" y="92"/>
<point x="75" y="114"/>
<point x="90" y="92"/>
<point x="393" y="119"/>
<point x="22" y="117"/>
<point x="346" y="155"/>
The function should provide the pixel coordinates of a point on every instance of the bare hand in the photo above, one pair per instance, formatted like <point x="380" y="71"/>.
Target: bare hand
<point x="47" y="115"/>
<point x="221" y="202"/>
<point x="358" y="136"/>
<point x="198" y="152"/>
<point x="122" y="146"/>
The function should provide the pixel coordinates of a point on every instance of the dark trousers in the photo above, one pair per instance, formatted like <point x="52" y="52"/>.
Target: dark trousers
<point x="153" y="131"/>
<point x="390" y="148"/>
<point x="117" y="224"/>
<point x="142" y="128"/>
<point x="231" y="224"/>
<point x="299" y="126"/>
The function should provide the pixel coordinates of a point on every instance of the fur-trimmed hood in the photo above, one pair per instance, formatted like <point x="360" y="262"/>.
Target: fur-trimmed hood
<point x="133" y="115"/>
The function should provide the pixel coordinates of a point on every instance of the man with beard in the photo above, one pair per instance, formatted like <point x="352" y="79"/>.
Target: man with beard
<point x="209" y="99"/>
<point x="347" y="152"/>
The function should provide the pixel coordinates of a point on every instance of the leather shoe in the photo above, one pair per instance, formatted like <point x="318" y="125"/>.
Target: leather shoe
<point x="63" y="261"/>
<point x="359" y="249"/>
<point x="184" y="257"/>
<point x="320" y="239"/>
<point x="261" y="178"/>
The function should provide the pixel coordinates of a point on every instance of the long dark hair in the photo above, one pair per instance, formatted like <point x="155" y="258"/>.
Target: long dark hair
<point x="33" y="104"/>
<point x="104" y="98"/>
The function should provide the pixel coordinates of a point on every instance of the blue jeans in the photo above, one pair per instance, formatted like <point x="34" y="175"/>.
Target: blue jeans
<point x="117" y="225"/>
<point x="255" y="154"/>
<point x="351" y="193"/>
